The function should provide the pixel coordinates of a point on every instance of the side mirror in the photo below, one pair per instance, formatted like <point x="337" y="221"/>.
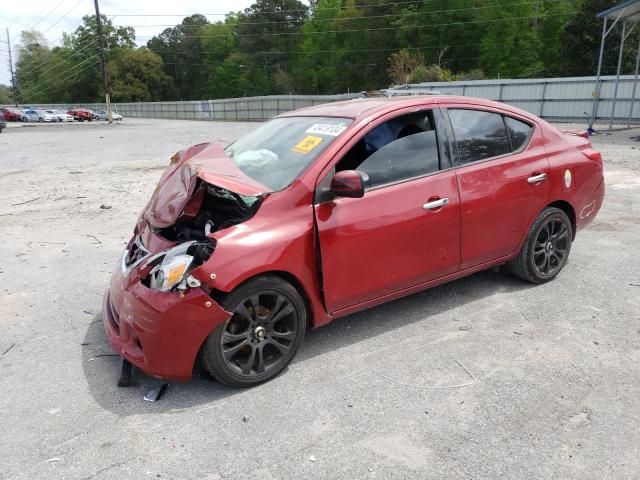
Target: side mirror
<point x="348" y="183"/>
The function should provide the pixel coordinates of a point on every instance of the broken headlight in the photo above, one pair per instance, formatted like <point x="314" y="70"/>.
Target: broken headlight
<point x="171" y="268"/>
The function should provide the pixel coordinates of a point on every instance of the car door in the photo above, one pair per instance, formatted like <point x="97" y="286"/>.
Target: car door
<point x="404" y="230"/>
<point x="501" y="170"/>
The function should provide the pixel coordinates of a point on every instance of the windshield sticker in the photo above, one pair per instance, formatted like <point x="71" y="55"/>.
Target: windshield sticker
<point x="326" y="129"/>
<point x="307" y="144"/>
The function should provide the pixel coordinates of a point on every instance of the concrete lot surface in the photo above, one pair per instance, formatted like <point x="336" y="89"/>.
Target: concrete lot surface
<point x="553" y="370"/>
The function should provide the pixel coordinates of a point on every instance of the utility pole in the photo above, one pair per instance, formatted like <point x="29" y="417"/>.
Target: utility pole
<point x="13" y="78"/>
<point x="105" y="78"/>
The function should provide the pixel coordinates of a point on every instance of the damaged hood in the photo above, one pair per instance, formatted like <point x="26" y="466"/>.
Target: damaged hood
<point x="207" y="162"/>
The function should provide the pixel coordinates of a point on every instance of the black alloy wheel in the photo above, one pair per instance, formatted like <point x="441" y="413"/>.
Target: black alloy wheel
<point x="546" y="248"/>
<point x="262" y="335"/>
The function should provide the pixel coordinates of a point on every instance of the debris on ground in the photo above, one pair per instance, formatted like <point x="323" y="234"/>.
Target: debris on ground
<point x="155" y="393"/>
<point x="24" y="203"/>
<point x="465" y="327"/>
<point x="245" y="418"/>
<point x="105" y="207"/>
<point x="95" y="238"/>
<point x="8" y="349"/>
<point x="312" y="458"/>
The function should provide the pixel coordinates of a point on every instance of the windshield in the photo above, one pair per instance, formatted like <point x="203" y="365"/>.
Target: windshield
<point x="276" y="152"/>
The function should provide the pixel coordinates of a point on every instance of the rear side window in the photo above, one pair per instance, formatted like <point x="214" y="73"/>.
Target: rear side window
<point x="479" y="135"/>
<point x="518" y="132"/>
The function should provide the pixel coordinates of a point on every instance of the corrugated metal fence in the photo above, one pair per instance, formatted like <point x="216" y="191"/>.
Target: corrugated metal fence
<point x="245" y="108"/>
<point x="556" y="99"/>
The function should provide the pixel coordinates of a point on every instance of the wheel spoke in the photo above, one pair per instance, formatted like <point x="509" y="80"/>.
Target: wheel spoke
<point x="276" y="308"/>
<point x="255" y="303"/>
<point x="244" y="313"/>
<point x="281" y="347"/>
<point x="246" y="367"/>
<point x="230" y="352"/>
<point x="228" y="338"/>
<point x="260" y="354"/>
<point x="287" y="310"/>
<point x="289" y="335"/>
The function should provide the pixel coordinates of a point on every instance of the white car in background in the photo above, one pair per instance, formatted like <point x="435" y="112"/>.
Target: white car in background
<point x="62" y="116"/>
<point x="102" y="115"/>
<point x="47" y="116"/>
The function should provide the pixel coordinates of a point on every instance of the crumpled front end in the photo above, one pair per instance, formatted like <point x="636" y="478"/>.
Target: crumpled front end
<point x="156" y="315"/>
<point x="160" y="333"/>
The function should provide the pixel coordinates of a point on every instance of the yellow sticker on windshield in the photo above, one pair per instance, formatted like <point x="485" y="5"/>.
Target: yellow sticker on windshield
<point x="307" y="144"/>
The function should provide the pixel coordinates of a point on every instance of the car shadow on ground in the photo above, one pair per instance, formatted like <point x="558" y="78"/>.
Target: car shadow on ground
<point x="102" y="367"/>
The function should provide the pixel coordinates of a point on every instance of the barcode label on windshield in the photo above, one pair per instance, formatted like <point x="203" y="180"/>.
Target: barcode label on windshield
<point x="326" y="129"/>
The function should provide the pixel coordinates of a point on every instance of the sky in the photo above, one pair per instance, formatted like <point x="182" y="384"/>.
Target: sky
<point x="52" y="17"/>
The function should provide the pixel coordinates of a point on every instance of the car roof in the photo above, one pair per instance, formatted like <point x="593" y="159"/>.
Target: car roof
<point x="367" y="107"/>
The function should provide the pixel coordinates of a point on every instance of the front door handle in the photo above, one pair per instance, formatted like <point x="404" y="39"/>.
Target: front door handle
<point x="537" y="178"/>
<point x="439" y="203"/>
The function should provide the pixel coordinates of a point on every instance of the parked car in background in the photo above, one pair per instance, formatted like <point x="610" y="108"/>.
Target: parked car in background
<point x="82" y="114"/>
<point x="63" y="116"/>
<point x="12" y="114"/>
<point x="2" y="124"/>
<point x="30" y="115"/>
<point x="326" y="211"/>
<point x="47" y="116"/>
<point x="102" y="115"/>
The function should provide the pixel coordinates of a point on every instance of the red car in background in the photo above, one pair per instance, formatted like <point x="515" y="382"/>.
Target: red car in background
<point x="13" y="114"/>
<point x="332" y="209"/>
<point x="82" y="114"/>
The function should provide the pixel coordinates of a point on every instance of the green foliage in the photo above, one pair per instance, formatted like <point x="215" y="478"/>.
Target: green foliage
<point x="137" y="76"/>
<point x="323" y="46"/>
<point x="5" y="95"/>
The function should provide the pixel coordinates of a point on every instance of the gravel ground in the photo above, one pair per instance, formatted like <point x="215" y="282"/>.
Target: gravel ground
<point x="553" y="370"/>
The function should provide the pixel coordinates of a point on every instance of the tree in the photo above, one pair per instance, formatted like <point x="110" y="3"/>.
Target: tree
<point x="137" y="76"/>
<point x="181" y="50"/>
<point x="580" y="43"/>
<point x="5" y="95"/>
<point x="403" y="65"/>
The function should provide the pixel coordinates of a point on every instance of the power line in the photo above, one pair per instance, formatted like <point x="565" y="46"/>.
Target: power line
<point x="59" y="74"/>
<point x="46" y="63"/>
<point x="511" y="19"/>
<point x="63" y="17"/>
<point x="46" y="15"/>
<point x="312" y="20"/>
<point x="370" y="5"/>
<point x="65" y="83"/>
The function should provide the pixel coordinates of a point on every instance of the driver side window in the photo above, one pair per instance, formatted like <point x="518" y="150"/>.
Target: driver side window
<point x="402" y="148"/>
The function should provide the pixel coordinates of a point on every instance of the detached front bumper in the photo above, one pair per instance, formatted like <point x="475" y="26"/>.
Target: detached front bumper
<point x="160" y="333"/>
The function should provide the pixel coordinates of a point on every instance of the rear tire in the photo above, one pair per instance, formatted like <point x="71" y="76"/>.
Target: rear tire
<point x="262" y="336"/>
<point x="546" y="249"/>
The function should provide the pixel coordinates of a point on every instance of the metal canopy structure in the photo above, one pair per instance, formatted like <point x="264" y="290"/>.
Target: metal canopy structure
<point x="626" y="14"/>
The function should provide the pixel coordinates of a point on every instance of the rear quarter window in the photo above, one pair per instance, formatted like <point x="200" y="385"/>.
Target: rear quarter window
<point x="519" y="133"/>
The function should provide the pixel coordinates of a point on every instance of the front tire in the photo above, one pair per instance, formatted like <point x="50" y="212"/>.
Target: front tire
<point x="546" y="249"/>
<point x="262" y="336"/>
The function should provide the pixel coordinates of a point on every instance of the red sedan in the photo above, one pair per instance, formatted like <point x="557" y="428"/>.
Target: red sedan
<point x="13" y="114"/>
<point x="81" y="114"/>
<point x="332" y="209"/>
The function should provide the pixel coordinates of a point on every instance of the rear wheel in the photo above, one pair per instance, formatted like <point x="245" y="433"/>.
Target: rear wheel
<point x="546" y="249"/>
<point x="261" y="337"/>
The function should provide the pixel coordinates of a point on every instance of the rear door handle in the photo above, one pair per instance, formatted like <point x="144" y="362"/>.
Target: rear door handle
<point x="537" y="178"/>
<point x="441" y="202"/>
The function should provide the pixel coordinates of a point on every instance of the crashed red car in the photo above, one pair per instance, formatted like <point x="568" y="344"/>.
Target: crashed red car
<point x="82" y="114"/>
<point x="332" y="209"/>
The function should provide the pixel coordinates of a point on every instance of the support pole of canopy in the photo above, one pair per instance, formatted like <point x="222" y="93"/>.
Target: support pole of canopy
<point x="615" y="89"/>
<point x="596" y="96"/>
<point x="635" y="84"/>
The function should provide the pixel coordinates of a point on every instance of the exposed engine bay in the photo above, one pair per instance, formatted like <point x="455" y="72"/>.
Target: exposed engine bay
<point x="210" y="209"/>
